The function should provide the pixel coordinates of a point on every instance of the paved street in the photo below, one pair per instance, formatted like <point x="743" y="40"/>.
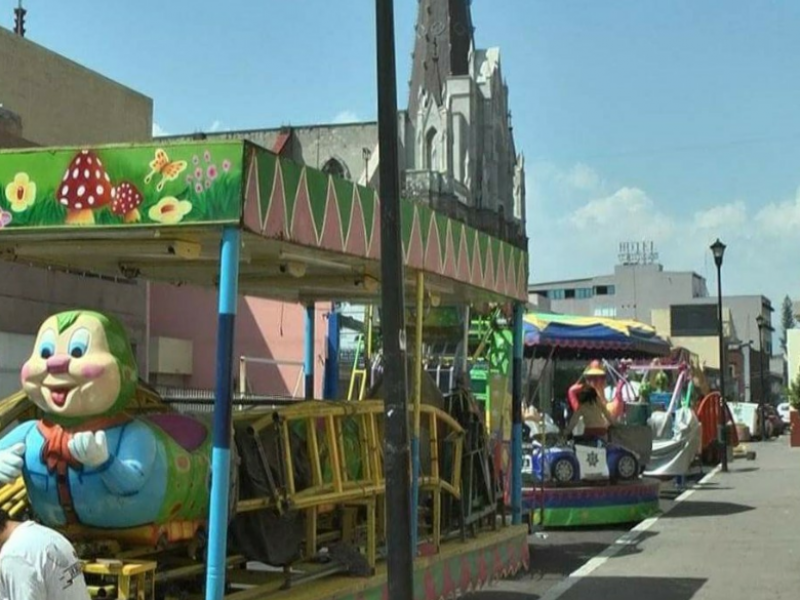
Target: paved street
<point x="736" y="536"/>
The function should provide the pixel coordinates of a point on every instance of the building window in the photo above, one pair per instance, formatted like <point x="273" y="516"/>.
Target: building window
<point x="569" y="294"/>
<point x="605" y="311"/>
<point x="335" y="168"/>
<point x="583" y="293"/>
<point x="604" y="290"/>
<point x="431" y="152"/>
<point x="555" y="294"/>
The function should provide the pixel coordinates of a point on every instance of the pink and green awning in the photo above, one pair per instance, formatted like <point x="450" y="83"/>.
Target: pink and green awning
<point x="307" y="234"/>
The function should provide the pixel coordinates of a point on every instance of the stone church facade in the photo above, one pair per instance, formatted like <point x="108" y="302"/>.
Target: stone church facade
<point x="457" y="144"/>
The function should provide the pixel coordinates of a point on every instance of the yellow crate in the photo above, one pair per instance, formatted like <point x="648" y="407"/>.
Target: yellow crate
<point x="123" y="580"/>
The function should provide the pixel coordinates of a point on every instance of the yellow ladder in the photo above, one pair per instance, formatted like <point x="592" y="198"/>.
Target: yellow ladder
<point x="361" y="373"/>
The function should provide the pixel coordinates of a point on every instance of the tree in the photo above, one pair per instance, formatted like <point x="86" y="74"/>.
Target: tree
<point x="787" y="321"/>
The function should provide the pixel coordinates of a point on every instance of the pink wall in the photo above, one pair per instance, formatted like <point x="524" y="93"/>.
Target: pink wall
<point x="264" y="329"/>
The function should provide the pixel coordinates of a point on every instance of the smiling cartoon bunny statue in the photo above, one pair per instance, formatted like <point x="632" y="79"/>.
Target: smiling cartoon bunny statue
<point x="90" y="464"/>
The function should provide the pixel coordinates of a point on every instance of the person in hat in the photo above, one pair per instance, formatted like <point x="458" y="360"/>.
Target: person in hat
<point x="594" y="376"/>
<point x="595" y="415"/>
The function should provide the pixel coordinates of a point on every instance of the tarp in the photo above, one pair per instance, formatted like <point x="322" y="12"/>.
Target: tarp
<point x="570" y="336"/>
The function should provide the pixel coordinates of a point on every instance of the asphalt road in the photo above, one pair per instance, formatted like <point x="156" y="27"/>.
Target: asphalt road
<point x="557" y="553"/>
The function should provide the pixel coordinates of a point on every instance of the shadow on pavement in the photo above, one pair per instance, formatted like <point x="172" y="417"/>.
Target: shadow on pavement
<point x="564" y="558"/>
<point x="743" y="470"/>
<point x="634" y="588"/>
<point x="706" y="509"/>
<point x="501" y="595"/>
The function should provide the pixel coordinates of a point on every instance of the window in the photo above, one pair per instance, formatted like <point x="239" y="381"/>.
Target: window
<point x="605" y="311"/>
<point x="335" y="168"/>
<point x="583" y="293"/>
<point x="555" y="294"/>
<point x="431" y="153"/>
<point x="604" y="290"/>
<point x="569" y="294"/>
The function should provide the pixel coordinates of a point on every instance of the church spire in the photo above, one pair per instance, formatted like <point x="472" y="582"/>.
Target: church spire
<point x="442" y="47"/>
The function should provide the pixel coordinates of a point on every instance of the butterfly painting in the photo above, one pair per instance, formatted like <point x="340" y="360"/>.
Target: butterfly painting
<point x="169" y="170"/>
<point x="5" y="218"/>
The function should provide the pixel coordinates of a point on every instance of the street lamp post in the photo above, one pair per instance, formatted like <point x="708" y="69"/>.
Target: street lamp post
<point x="718" y="250"/>
<point x="762" y="325"/>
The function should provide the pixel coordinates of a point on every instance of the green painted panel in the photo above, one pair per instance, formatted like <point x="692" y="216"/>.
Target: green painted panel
<point x="344" y="194"/>
<point x="406" y="222"/>
<point x="471" y="233"/>
<point x="495" y="244"/>
<point x="318" y="196"/>
<point x="598" y="515"/>
<point x="483" y="245"/>
<point x="425" y="216"/>
<point x="441" y="225"/>
<point x="368" y="197"/>
<point x="291" y="181"/>
<point x="266" y="179"/>
<point x="130" y="186"/>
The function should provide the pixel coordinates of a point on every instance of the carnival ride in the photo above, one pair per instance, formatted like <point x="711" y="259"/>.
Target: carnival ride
<point x="301" y="484"/>
<point x="618" y="494"/>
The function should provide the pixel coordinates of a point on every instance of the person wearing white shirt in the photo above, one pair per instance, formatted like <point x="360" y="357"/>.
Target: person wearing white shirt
<point x="38" y="563"/>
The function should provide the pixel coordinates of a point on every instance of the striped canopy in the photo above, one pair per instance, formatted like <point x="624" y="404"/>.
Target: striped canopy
<point x="570" y="336"/>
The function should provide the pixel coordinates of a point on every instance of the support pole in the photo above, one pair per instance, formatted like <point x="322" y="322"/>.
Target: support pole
<point x="331" y="381"/>
<point x="399" y="561"/>
<point x="723" y="414"/>
<point x="516" y="418"/>
<point x="223" y="399"/>
<point x="308" y="352"/>
<point x="415" y="460"/>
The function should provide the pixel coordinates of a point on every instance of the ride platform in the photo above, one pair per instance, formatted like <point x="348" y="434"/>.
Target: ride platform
<point x="587" y="505"/>
<point x="458" y="568"/>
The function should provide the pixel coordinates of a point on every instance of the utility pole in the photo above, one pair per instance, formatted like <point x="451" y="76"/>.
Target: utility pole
<point x="399" y="560"/>
<point x="19" y="20"/>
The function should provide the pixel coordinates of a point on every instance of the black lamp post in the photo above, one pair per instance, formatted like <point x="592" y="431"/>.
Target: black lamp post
<point x="718" y="250"/>
<point x="762" y="326"/>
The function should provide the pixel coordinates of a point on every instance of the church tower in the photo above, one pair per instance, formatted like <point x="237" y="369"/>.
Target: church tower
<point x="458" y="146"/>
<point x="441" y="49"/>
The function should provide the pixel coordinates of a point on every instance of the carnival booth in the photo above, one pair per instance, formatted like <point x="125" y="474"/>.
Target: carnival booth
<point x="252" y="499"/>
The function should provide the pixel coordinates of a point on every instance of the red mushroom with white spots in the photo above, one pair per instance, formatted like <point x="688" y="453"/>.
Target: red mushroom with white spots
<point x="84" y="188"/>
<point x="126" y="202"/>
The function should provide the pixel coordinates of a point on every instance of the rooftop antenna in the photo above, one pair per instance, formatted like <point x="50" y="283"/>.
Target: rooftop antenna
<point x="19" y="19"/>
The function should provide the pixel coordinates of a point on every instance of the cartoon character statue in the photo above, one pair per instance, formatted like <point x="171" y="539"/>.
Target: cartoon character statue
<point x="90" y="465"/>
<point x="595" y="376"/>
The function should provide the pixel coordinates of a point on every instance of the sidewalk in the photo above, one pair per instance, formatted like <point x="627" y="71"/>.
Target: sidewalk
<point x="735" y="537"/>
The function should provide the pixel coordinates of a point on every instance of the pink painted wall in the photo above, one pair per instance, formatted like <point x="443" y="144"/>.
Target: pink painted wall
<point x="264" y="329"/>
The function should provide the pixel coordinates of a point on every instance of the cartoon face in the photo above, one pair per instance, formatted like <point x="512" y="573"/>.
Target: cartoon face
<point x="72" y="372"/>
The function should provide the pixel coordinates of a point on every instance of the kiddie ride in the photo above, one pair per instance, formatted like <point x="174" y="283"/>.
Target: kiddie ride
<point x="256" y="500"/>
<point x="571" y="462"/>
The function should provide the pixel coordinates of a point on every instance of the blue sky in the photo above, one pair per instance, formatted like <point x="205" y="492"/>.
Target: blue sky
<point x="671" y="120"/>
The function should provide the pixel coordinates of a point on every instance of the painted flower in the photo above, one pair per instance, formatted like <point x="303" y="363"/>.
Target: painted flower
<point x="226" y="165"/>
<point x="196" y="159"/>
<point x="208" y="183"/>
<point x="198" y="187"/>
<point x="21" y="193"/>
<point x="211" y="172"/>
<point x="198" y="173"/>
<point x="207" y="156"/>
<point x="5" y="218"/>
<point x="170" y="210"/>
<point x="189" y="179"/>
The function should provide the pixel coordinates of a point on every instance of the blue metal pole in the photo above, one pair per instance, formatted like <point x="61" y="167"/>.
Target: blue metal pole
<point x="516" y="418"/>
<point x="308" y="354"/>
<point x="221" y="451"/>
<point x="331" y="381"/>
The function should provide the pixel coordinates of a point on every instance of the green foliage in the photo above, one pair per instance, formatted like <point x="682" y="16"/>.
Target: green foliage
<point x="793" y="393"/>
<point x="787" y="320"/>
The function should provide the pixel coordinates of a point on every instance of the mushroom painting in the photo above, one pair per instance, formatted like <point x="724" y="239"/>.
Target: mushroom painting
<point x="84" y="188"/>
<point x="126" y="201"/>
